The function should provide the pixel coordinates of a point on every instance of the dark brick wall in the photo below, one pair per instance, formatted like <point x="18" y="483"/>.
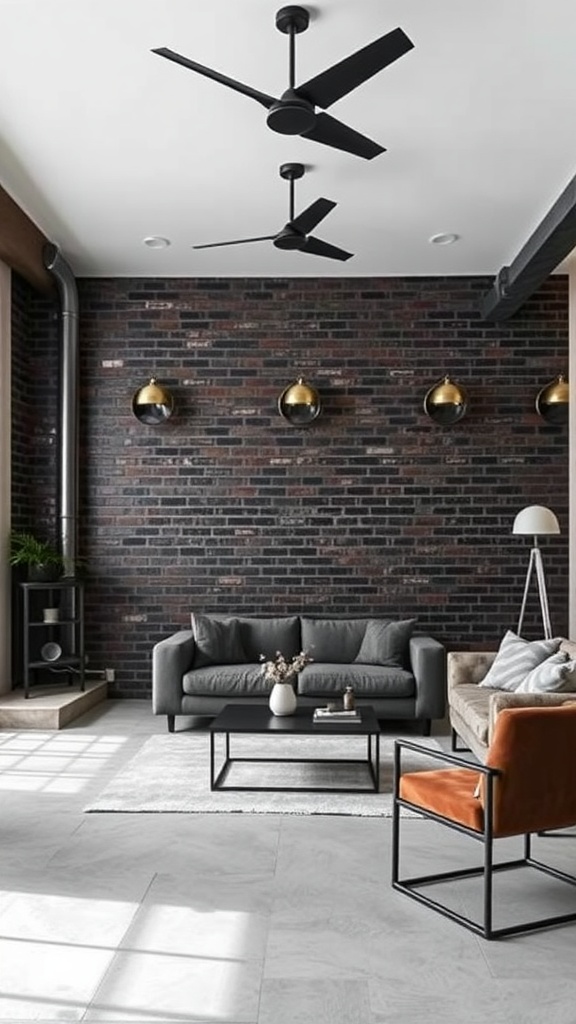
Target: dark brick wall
<point x="372" y="509"/>
<point x="21" y="403"/>
<point x="34" y="429"/>
<point x="34" y="398"/>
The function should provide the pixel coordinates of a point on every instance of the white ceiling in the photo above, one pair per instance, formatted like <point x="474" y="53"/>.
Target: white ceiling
<point x="104" y="143"/>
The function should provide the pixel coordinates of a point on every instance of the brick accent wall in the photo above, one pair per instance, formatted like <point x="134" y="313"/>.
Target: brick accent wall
<point x="34" y="397"/>
<point x="372" y="509"/>
<point x="34" y="430"/>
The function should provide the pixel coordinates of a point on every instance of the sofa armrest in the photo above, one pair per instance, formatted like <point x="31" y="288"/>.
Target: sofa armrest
<point x="467" y="667"/>
<point x="171" y="658"/>
<point x="428" y="664"/>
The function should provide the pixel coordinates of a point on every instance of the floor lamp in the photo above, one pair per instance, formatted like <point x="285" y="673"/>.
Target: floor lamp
<point x="537" y="521"/>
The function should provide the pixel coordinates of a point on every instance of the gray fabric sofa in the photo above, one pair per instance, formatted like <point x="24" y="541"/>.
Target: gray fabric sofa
<point x="401" y="674"/>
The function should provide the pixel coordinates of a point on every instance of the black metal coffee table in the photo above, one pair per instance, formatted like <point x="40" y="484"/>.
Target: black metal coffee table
<point x="258" y="719"/>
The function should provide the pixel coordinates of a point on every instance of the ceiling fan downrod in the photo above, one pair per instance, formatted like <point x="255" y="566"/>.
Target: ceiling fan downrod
<point x="291" y="114"/>
<point x="291" y="172"/>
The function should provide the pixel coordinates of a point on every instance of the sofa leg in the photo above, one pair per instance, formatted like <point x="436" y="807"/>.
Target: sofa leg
<point x="171" y="720"/>
<point x="454" y="745"/>
<point x="426" y="726"/>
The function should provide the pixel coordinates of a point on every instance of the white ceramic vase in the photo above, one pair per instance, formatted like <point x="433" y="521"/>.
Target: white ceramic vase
<point x="282" y="699"/>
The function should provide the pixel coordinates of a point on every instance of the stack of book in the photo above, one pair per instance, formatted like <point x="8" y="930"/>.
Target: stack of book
<point x="329" y="715"/>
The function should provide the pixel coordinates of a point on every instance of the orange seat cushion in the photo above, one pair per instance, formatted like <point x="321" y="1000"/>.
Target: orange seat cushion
<point x="448" y="792"/>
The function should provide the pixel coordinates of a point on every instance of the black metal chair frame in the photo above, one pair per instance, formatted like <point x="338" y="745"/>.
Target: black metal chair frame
<point x="410" y="886"/>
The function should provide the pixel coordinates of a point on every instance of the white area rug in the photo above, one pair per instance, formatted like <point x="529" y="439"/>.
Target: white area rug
<point x="171" y="774"/>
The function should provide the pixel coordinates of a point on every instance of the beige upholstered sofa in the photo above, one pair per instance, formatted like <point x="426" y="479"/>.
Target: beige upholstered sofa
<point x="473" y="709"/>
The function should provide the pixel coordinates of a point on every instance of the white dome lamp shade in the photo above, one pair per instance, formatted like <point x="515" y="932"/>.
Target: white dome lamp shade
<point x="536" y="521"/>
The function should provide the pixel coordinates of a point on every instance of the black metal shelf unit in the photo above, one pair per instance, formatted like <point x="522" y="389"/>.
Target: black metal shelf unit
<point x="53" y="631"/>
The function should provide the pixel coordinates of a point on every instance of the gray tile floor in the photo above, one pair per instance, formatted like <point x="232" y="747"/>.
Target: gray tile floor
<point x="267" y="919"/>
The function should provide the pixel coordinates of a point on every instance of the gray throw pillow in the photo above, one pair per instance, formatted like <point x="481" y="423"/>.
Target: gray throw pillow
<point x="386" y="643"/>
<point x="217" y="642"/>
<point x="515" y="659"/>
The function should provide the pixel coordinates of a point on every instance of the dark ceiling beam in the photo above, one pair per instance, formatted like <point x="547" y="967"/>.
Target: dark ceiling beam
<point x="21" y="244"/>
<point x="551" y="242"/>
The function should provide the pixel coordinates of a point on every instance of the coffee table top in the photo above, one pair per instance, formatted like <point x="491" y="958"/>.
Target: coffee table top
<point x="257" y="718"/>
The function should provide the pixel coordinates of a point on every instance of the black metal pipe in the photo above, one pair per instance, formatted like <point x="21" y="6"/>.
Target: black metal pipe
<point x="69" y="405"/>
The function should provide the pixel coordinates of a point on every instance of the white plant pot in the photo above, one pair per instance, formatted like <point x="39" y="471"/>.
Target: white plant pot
<point x="282" y="699"/>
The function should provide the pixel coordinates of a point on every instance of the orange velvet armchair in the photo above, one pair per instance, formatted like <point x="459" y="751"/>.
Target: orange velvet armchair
<point x="527" y="785"/>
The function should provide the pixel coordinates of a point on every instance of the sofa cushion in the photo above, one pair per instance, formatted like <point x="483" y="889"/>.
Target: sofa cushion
<point x="515" y="658"/>
<point x="554" y="674"/>
<point x="227" y="681"/>
<point x="330" y="680"/>
<point x="267" y="636"/>
<point x="386" y="643"/>
<point x="332" y="640"/>
<point x="217" y="641"/>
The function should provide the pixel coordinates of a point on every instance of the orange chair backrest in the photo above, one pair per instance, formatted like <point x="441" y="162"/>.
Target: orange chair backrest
<point x="535" y="749"/>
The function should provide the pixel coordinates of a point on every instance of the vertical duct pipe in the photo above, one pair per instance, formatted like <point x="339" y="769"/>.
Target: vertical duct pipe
<point x="69" y="405"/>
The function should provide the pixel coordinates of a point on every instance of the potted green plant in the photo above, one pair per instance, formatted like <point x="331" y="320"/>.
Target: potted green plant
<point x="40" y="557"/>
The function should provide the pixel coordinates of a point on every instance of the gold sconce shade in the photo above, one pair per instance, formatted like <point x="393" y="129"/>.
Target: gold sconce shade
<point x="299" y="403"/>
<point x="552" y="401"/>
<point x="446" y="402"/>
<point x="153" y="403"/>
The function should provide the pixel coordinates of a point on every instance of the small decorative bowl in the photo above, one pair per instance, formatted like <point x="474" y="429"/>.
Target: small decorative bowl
<point x="51" y="652"/>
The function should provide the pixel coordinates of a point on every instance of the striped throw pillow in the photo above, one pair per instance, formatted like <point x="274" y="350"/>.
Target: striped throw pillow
<point x="515" y="659"/>
<point x="553" y="675"/>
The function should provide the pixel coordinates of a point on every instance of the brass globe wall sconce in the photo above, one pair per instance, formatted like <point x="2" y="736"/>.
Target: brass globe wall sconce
<point x="552" y="400"/>
<point x="152" y="404"/>
<point x="299" y="403"/>
<point x="446" y="402"/>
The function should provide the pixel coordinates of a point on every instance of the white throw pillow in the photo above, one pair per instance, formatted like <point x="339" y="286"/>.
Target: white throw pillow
<point x="554" y="674"/>
<point x="515" y="659"/>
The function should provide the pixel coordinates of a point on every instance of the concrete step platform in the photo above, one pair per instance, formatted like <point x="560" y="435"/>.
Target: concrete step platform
<point x="49" y="707"/>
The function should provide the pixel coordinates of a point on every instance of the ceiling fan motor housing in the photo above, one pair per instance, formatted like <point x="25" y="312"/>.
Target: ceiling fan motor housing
<point x="291" y="115"/>
<point x="289" y="238"/>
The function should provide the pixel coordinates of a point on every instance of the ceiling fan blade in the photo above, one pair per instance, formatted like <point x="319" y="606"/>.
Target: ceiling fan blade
<point x="316" y="247"/>
<point x="237" y="241"/>
<point x="333" y="133"/>
<point x="217" y="76"/>
<point x="312" y="215"/>
<point x="342" y="78"/>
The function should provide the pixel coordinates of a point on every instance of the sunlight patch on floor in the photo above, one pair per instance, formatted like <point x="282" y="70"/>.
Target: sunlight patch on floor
<point x="52" y="762"/>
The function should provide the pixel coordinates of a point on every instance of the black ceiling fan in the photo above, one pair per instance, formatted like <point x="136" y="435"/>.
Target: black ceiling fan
<point x="294" y="234"/>
<point x="294" y="113"/>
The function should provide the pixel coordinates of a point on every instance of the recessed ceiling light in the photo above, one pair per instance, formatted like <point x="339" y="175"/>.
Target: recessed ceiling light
<point x="156" y="242"/>
<point x="447" y="238"/>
